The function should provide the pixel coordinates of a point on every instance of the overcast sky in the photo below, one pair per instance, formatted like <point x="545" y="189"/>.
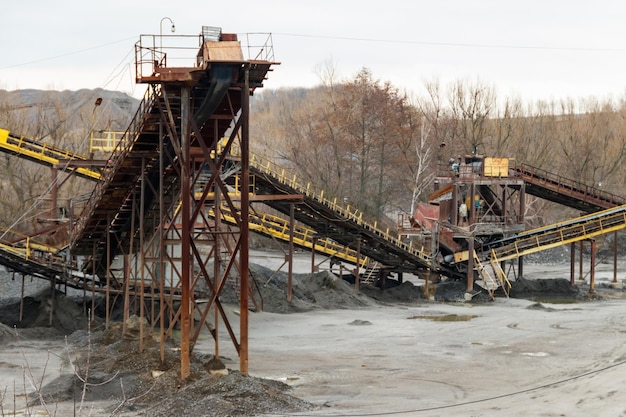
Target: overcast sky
<point x="535" y="49"/>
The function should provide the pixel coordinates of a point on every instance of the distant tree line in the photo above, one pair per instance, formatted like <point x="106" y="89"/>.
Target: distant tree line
<point x="361" y="140"/>
<point x="379" y="148"/>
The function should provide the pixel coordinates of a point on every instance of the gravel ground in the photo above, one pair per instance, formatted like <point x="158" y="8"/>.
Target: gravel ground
<point x="100" y="373"/>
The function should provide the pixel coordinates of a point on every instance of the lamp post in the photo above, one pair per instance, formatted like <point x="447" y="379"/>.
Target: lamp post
<point x="161" y="29"/>
<point x="93" y="119"/>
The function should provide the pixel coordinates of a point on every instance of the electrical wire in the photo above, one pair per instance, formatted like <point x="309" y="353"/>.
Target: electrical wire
<point x="115" y="73"/>
<point x="482" y="400"/>
<point x="79" y="51"/>
<point x="449" y="44"/>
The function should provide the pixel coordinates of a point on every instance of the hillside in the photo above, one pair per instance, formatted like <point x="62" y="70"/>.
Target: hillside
<point x="39" y="113"/>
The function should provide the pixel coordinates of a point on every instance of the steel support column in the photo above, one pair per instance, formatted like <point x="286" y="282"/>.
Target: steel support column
<point x="470" y="263"/>
<point x="522" y="210"/>
<point x="572" y="263"/>
<point x="615" y="256"/>
<point x="313" y="245"/>
<point x="592" y="268"/>
<point x="357" y="268"/>
<point x="185" y="248"/>
<point x="292" y="220"/>
<point x="245" y="212"/>
<point x="580" y="262"/>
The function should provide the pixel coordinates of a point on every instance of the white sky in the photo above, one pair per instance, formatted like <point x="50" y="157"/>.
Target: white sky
<point x="535" y="49"/>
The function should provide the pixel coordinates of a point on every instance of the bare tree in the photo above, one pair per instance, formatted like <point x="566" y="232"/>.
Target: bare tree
<point x="472" y="105"/>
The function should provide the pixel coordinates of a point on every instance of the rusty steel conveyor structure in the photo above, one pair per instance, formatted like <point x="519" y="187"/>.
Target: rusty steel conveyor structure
<point x="558" y="234"/>
<point x="146" y="206"/>
<point x="46" y="154"/>
<point x="337" y="229"/>
<point x="565" y="191"/>
<point x="143" y="208"/>
<point x="334" y="219"/>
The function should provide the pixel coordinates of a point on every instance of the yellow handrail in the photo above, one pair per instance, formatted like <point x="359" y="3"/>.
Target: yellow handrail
<point x="314" y="192"/>
<point x="303" y="236"/>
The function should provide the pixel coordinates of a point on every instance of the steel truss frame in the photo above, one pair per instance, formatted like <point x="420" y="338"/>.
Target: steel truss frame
<point x="170" y="266"/>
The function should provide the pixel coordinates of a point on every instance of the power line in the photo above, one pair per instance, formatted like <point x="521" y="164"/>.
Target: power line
<point x="450" y="44"/>
<point x="443" y="407"/>
<point x="79" y="51"/>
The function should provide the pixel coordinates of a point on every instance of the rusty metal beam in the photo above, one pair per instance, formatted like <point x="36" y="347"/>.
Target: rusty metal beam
<point x="245" y="207"/>
<point x="185" y="249"/>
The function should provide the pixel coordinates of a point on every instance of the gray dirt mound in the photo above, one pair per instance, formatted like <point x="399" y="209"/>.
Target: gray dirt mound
<point x="7" y="334"/>
<point x="454" y="291"/>
<point x="230" y="395"/>
<point x="309" y="291"/>
<point x="524" y="288"/>
<point x="67" y="315"/>
<point x="140" y="382"/>
<point x="406" y="292"/>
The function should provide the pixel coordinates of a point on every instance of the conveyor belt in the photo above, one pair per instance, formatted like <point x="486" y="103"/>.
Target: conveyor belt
<point x="571" y="193"/>
<point x="547" y="237"/>
<point x="304" y="237"/>
<point x="45" y="154"/>
<point x="334" y="219"/>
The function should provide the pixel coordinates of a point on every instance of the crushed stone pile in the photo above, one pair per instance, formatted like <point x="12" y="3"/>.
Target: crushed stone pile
<point x="321" y="290"/>
<point x="525" y="288"/>
<point x="67" y="316"/>
<point x="137" y="381"/>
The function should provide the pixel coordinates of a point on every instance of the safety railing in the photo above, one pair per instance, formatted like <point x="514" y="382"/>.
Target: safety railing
<point x="121" y="150"/>
<point x="567" y="186"/>
<point x="105" y="140"/>
<point x="28" y="249"/>
<point x="348" y="212"/>
<point x="305" y="237"/>
<point x="501" y="277"/>
<point x="585" y="227"/>
<point x="43" y="152"/>
<point x="489" y="283"/>
<point x="165" y="51"/>
<point x="168" y="51"/>
<point x="257" y="46"/>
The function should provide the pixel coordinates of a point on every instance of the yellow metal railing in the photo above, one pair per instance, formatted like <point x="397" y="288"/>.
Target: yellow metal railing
<point x="105" y="141"/>
<point x="22" y="244"/>
<point x="353" y="214"/>
<point x="585" y="227"/>
<point x="501" y="277"/>
<point x="43" y="152"/>
<point x="30" y="250"/>
<point x="489" y="283"/>
<point x="305" y="237"/>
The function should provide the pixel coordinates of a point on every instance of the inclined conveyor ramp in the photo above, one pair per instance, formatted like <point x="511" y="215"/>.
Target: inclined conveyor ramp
<point x="111" y="212"/>
<point x="304" y="237"/>
<point x="565" y="191"/>
<point x="335" y="219"/>
<point x="46" y="154"/>
<point x="540" y="239"/>
<point x="208" y="95"/>
<point x="557" y="234"/>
